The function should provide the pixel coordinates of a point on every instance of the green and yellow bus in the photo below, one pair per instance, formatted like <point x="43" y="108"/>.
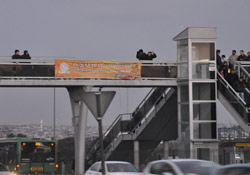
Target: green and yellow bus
<point x="29" y="156"/>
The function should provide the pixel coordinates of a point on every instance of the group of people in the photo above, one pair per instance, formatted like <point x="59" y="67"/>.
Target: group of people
<point x="141" y="55"/>
<point x="222" y="62"/>
<point x="226" y="67"/>
<point x="17" y="55"/>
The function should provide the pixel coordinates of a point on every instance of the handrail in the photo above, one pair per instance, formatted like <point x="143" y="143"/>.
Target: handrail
<point x="97" y="143"/>
<point x="8" y="59"/>
<point x="241" y="67"/>
<point x="228" y="86"/>
<point x="243" y="62"/>
<point x="245" y="74"/>
<point x="46" y="68"/>
<point x="113" y="124"/>
<point x="244" y="70"/>
<point x="166" y="97"/>
<point x="144" y="100"/>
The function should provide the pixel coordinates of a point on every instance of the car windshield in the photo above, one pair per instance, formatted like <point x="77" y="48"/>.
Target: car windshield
<point x="196" y="167"/>
<point x="3" y="168"/>
<point x="120" y="167"/>
<point x="234" y="171"/>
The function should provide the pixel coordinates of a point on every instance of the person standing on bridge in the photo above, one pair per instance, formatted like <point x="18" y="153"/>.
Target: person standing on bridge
<point x="16" y="55"/>
<point x="151" y="55"/>
<point x="218" y="60"/>
<point x="248" y="56"/>
<point x="143" y="56"/>
<point x="232" y="59"/>
<point x="26" y="55"/>
<point x="242" y="56"/>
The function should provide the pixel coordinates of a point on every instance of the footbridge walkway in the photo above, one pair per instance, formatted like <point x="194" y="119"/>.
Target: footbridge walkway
<point x="40" y="72"/>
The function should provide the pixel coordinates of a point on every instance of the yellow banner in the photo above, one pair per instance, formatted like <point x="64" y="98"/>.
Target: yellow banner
<point x="242" y="144"/>
<point x="36" y="168"/>
<point x="97" y="69"/>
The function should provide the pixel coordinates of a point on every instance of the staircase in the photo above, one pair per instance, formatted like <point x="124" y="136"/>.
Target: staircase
<point x="233" y="102"/>
<point x="152" y="121"/>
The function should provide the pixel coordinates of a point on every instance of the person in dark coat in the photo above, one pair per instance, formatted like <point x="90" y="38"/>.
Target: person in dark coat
<point x="16" y="55"/>
<point x="218" y="60"/>
<point x="248" y="56"/>
<point x="232" y="78"/>
<point x="26" y="55"/>
<point x="224" y="69"/>
<point x="240" y="87"/>
<point x="242" y="56"/>
<point x="151" y="55"/>
<point x="141" y="55"/>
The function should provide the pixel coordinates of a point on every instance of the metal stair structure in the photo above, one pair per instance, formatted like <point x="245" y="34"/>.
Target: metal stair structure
<point x="152" y="121"/>
<point x="231" y="100"/>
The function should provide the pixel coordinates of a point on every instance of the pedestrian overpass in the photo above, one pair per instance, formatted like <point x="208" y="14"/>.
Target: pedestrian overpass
<point x="40" y="72"/>
<point x="181" y="105"/>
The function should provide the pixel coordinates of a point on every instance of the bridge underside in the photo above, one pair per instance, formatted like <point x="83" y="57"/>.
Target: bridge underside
<point x="66" y="82"/>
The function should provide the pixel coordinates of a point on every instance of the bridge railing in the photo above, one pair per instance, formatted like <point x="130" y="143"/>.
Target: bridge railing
<point x="233" y="98"/>
<point x="27" y="68"/>
<point x="118" y="126"/>
<point x="45" y="67"/>
<point x="243" y="70"/>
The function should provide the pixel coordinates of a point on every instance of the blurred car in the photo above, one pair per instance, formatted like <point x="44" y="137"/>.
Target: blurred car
<point x="4" y="170"/>
<point x="180" y="167"/>
<point x="112" y="168"/>
<point x="235" y="169"/>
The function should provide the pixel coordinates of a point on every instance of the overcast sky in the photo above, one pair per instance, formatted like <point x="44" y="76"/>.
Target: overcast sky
<point x="106" y="30"/>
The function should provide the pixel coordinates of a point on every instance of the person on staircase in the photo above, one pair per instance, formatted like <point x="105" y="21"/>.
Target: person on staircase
<point x="232" y="78"/>
<point x="240" y="87"/>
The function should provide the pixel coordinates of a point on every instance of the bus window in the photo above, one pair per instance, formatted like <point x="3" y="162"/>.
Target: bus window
<point x="8" y="153"/>
<point x="3" y="168"/>
<point x="34" y="152"/>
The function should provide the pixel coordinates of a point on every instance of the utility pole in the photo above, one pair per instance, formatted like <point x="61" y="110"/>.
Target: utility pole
<point x="54" y="113"/>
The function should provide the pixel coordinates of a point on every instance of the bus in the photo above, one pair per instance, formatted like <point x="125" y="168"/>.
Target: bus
<point x="29" y="156"/>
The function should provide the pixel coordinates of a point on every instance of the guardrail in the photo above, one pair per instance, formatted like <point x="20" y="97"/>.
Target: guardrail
<point x="112" y="132"/>
<point x="233" y="98"/>
<point x="243" y="69"/>
<point x="45" y="67"/>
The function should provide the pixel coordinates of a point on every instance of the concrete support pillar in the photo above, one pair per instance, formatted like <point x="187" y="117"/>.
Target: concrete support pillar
<point x="79" y="120"/>
<point x="165" y="149"/>
<point x="136" y="154"/>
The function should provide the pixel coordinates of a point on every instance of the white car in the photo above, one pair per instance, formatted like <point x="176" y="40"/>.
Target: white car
<point x="4" y="170"/>
<point x="180" y="167"/>
<point x="234" y="169"/>
<point x="112" y="168"/>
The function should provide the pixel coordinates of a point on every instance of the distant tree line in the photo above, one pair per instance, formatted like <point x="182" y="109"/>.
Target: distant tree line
<point x="18" y="135"/>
